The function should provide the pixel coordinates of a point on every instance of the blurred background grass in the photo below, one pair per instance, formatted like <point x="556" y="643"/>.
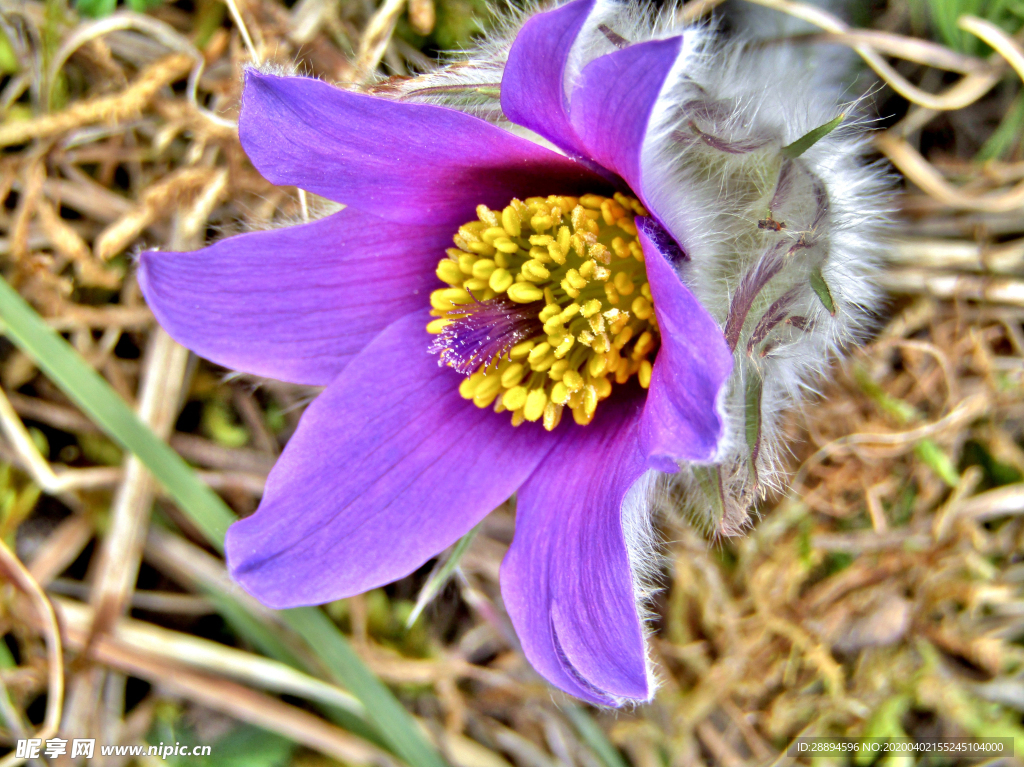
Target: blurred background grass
<point x="881" y="597"/>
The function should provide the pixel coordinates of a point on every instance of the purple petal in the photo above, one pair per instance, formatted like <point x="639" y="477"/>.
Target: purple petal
<point x="414" y="163"/>
<point x="613" y="100"/>
<point x="388" y="467"/>
<point x="681" y="419"/>
<point x="533" y="84"/>
<point x="295" y="303"/>
<point x="566" y="581"/>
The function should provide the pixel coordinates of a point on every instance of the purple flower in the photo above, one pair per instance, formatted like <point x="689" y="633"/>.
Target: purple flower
<point x="567" y="289"/>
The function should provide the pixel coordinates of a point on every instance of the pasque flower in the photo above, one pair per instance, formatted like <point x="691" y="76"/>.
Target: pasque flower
<point x="668" y="277"/>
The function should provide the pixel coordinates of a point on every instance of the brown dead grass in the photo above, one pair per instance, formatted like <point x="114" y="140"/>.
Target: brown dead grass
<point x="879" y="597"/>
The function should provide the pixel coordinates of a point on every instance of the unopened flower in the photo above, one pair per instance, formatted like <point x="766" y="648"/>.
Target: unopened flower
<point x="493" y="317"/>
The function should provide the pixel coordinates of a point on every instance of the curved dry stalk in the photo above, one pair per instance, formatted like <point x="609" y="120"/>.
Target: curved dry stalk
<point x="998" y="290"/>
<point x="15" y="571"/>
<point x="918" y="170"/>
<point x="997" y="39"/>
<point x="376" y="37"/>
<point x="236" y="16"/>
<point x="951" y="99"/>
<point x="101" y="109"/>
<point x="32" y="461"/>
<point x="907" y="48"/>
<point x="971" y="408"/>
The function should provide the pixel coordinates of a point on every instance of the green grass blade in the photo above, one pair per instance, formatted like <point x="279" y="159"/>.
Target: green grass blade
<point x="809" y="139"/>
<point x="381" y="706"/>
<point x="440" y="577"/>
<point x="594" y="737"/>
<point x="63" y="365"/>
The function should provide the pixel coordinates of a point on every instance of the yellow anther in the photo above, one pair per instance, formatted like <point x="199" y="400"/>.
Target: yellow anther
<point x="558" y="370"/>
<point x="466" y="262"/>
<point x="550" y="310"/>
<point x="611" y="293"/>
<point x="436" y="326"/>
<point x="644" y="344"/>
<point x="586" y="338"/>
<point x="487" y="391"/>
<point x="487" y="215"/>
<point x="511" y="221"/>
<point x="575" y="279"/>
<point x="469" y="233"/>
<point x="500" y="280"/>
<point x="589" y="400"/>
<point x="554" y="327"/>
<point x="521" y="350"/>
<point x="644" y="373"/>
<point x="552" y="415"/>
<point x="512" y="375"/>
<point x="591" y="307"/>
<point x="515" y="397"/>
<point x="483" y="268"/>
<point x="580" y="416"/>
<point x="442" y="299"/>
<point x="597" y="323"/>
<point x="517" y="418"/>
<point x="502" y="260"/>
<point x="535" y="271"/>
<point x="524" y="293"/>
<point x="491" y="234"/>
<point x="587" y="270"/>
<point x="623" y="337"/>
<point x="541" y="223"/>
<point x="448" y="271"/>
<point x="538" y="352"/>
<point x="480" y="248"/>
<point x="627" y="225"/>
<point x="475" y="287"/>
<point x="564" y="236"/>
<point x="620" y="248"/>
<point x="600" y="253"/>
<point x="569" y="312"/>
<point x="560" y="393"/>
<point x="544" y="363"/>
<point x="596" y="365"/>
<point x="541" y="240"/>
<point x="573" y="380"/>
<point x="603" y="387"/>
<point x="602" y="344"/>
<point x="468" y="387"/>
<point x="617" y="320"/>
<point x="641" y="308"/>
<point x="592" y="201"/>
<point x="540" y="254"/>
<point x="624" y="283"/>
<point x="505" y="245"/>
<point x="564" y="347"/>
<point x="636" y="251"/>
<point x="535" y="403"/>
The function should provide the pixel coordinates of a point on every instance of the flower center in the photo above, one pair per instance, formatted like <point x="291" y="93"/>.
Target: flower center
<point x="548" y="303"/>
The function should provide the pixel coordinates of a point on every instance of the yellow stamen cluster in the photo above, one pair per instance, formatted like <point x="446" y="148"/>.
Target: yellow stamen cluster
<point x="579" y="261"/>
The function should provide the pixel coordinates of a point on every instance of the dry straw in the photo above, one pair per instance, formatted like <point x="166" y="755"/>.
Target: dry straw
<point x="883" y="589"/>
